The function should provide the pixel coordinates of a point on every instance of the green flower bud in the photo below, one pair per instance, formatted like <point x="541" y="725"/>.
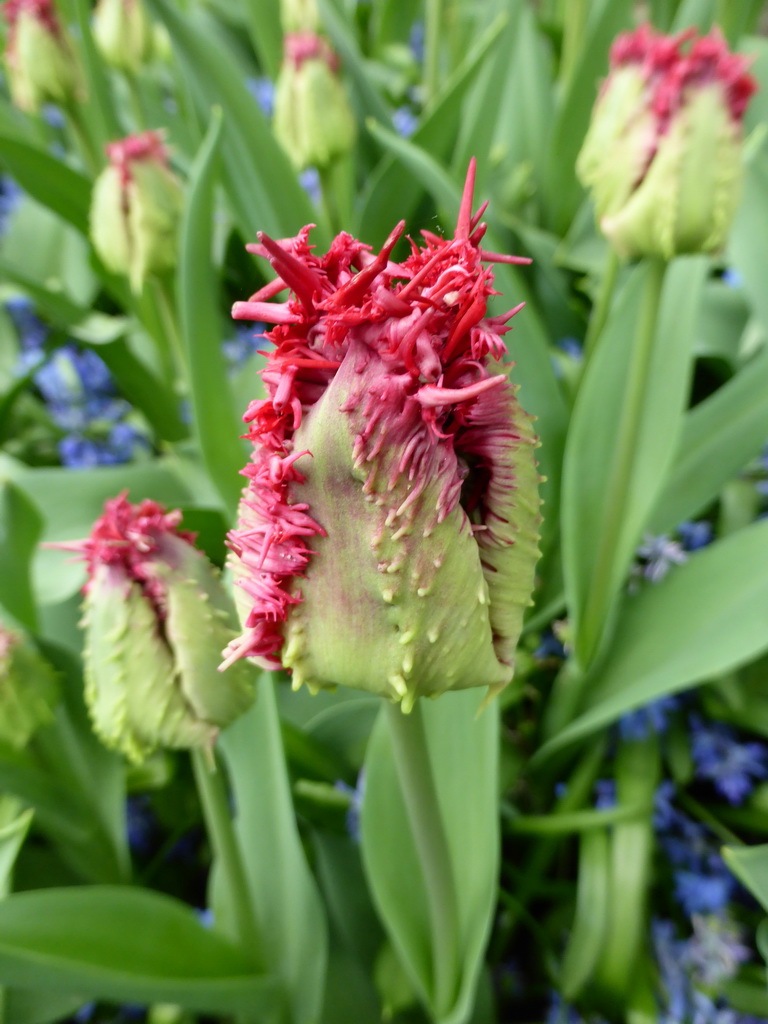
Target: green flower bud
<point x="41" y="64"/>
<point x="663" y="152"/>
<point x="123" y="34"/>
<point x="28" y="690"/>
<point x="156" y="616"/>
<point x="136" y="208"/>
<point x="299" y="16"/>
<point x="313" y="119"/>
<point x="389" y="446"/>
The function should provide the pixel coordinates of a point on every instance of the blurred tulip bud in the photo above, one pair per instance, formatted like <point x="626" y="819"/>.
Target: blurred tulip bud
<point x="28" y="690"/>
<point x="388" y="535"/>
<point x="313" y="119"/>
<point x="41" y="64"/>
<point x="123" y="33"/>
<point x="663" y="154"/>
<point x="135" y="209"/>
<point x="156" y="616"/>
<point x="299" y="16"/>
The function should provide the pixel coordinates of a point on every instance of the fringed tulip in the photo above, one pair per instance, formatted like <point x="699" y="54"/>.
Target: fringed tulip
<point x="388" y="533"/>
<point x="41" y="64"/>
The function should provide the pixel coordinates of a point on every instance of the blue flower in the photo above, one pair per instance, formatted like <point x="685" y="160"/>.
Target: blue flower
<point x="10" y="194"/>
<point x="416" y="41"/>
<point x="732" y="278"/>
<point x="716" y="949"/>
<point x="141" y="825"/>
<point x="263" y="91"/>
<point x="605" y="794"/>
<point x="32" y="332"/>
<point x="699" y="893"/>
<point x="205" y="917"/>
<point x="247" y="341"/>
<point x="650" y="720"/>
<point x="309" y="180"/>
<point x="549" y="647"/>
<point x="405" y="121"/>
<point x="657" y="556"/>
<point x="355" y="795"/>
<point x="694" y="535"/>
<point x="733" y="767"/>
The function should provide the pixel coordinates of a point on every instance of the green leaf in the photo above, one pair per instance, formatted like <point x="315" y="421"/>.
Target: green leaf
<point x="747" y="244"/>
<point x="216" y="422"/>
<point x="365" y="93"/>
<point x="706" y="618"/>
<point x="29" y="1006"/>
<point x="20" y="530"/>
<point x="587" y="935"/>
<point x="122" y="943"/>
<point x="13" y="832"/>
<point x="263" y="17"/>
<point x="286" y="902"/>
<point x="463" y="748"/>
<point x="391" y="195"/>
<point x="625" y="423"/>
<point x="49" y="180"/>
<point x="719" y="437"/>
<point x="696" y="13"/>
<point x="750" y="865"/>
<point x="261" y="183"/>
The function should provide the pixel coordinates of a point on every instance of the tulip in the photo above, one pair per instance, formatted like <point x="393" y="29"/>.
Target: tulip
<point x="41" y="64"/>
<point x="156" y="615"/>
<point x="136" y="208"/>
<point x="663" y="154"/>
<point x="28" y="690"/>
<point x="388" y="534"/>
<point x="313" y="120"/>
<point x="123" y="33"/>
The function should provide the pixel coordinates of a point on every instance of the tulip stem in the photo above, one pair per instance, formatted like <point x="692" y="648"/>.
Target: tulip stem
<point x="414" y="769"/>
<point x="602" y="307"/>
<point x="214" y="800"/>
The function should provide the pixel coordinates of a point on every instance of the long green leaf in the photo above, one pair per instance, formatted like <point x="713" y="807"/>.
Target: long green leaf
<point x="719" y="437"/>
<point x="50" y="181"/>
<point x="122" y="943"/>
<point x="20" y="530"/>
<point x="706" y="618"/>
<point x="747" y="245"/>
<point x="463" y="748"/>
<point x="286" y="902"/>
<point x="216" y="421"/>
<point x="750" y="865"/>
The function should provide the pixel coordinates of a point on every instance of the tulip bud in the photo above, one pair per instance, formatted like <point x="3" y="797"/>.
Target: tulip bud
<point x="313" y="119"/>
<point x="156" y="616"/>
<point x="123" y="34"/>
<point x="135" y="209"/>
<point x="388" y="534"/>
<point x="663" y="154"/>
<point x="28" y="690"/>
<point x="41" y="64"/>
<point x="299" y="16"/>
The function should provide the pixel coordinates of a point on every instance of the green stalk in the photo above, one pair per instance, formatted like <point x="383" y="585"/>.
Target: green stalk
<point x="163" y="293"/>
<point x="417" y="783"/>
<point x="574" y="23"/>
<point x="598" y="600"/>
<point x="602" y="307"/>
<point x="89" y="154"/>
<point x="433" y="20"/>
<point x="218" y="822"/>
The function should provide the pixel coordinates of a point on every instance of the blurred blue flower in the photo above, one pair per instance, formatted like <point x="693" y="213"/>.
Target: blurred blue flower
<point x="571" y="346"/>
<point x="355" y="794"/>
<point x="416" y="41"/>
<point x="549" y="647"/>
<point x="246" y="341"/>
<point x="205" y="917"/>
<point x="405" y="121"/>
<point x="716" y="949"/>
<point x="732" y="766"/>
<point x="32" y="332"/>
<point x="10" y="194"/>
<point x="656" y="557"/>
<point x="605" y="794"/>
<point x="263" y="91"/>
<point x="651" y="720"/>
<point x="310" y="182"/>
<point x="699" y="893"/>
<point x="140" y="823"/>
<point x="694" y="535"/>
<point x="54" y="116"/>
<point x="670" y="956"/>
<point x="732" y="278"/>
<point x="85" y="1013"/>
